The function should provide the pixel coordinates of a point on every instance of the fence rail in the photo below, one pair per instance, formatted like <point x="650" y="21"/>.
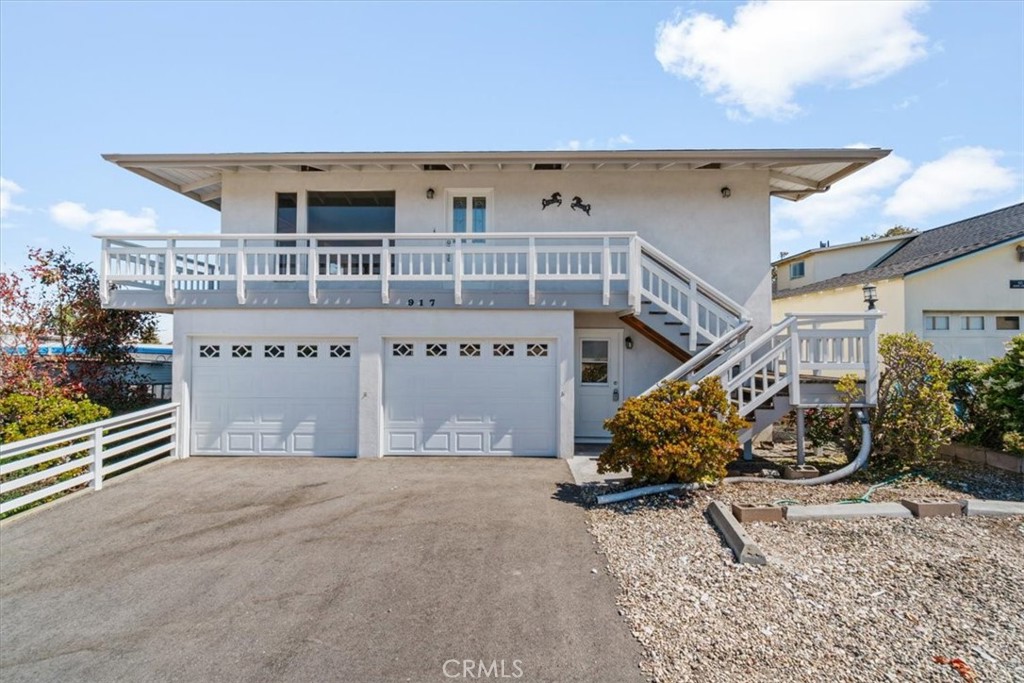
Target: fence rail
<point x="33" y="470"/>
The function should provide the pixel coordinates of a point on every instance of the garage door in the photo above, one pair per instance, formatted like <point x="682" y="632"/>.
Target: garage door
<point x="274" y="397"/>
<point x="470" y="397"/>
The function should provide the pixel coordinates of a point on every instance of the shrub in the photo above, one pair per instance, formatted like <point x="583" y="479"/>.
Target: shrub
<point x="1002" y="394"/>
<point x="915" y="410"/>
<point x="676" y="433"/>
<point x="23" y="416"/>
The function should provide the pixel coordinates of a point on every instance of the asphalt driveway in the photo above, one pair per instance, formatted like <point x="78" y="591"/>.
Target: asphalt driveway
<point x="309" y="569"/>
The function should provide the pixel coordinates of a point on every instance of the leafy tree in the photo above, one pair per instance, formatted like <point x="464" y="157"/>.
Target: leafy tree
<point x="894" y="231"/>
<point x="1002" y="397"/>
<point x="59" y="299"/>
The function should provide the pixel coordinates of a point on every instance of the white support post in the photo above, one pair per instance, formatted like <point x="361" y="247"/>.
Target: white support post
<point x="606" y="272"/>
<point x="800" y="448"/>
<point x="169" y="268"/>
<point x="457" y="271"/>
<point x="240" y="271"/>
<point x="104" y="285"/>
<point x="636" y="275"/>
<point x="817" y="342"/>
<point x="794" y="364"/>
<point x="871" y="361"/>
<point x="313" y="269"/>
<point x="97" y="459"/>
<point x="531" y="269"/>
<point x="385" y="272"/>
<point x="693" y="313"/>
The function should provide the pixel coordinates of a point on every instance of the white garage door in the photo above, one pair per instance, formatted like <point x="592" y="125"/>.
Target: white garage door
<point x="470" y="397"/>
<point x="274" y="397"/>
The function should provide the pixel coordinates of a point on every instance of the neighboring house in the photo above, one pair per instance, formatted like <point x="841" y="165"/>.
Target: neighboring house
<point x="469" y="302"/>
<point x="151" y="364"/>
<point x="960" y="286"/>
<point x="814" y="265"/>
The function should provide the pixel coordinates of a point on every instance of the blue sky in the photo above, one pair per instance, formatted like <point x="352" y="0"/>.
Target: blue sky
<point x="941" y="84"/>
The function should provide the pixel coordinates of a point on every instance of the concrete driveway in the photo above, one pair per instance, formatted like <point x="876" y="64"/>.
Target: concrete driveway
<point x="309" y="569"/>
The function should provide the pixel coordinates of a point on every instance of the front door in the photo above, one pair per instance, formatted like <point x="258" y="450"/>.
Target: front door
<point x="469" y="210"/>
<point x="598" y="381"/>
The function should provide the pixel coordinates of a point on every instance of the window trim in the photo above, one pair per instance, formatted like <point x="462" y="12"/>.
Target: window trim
<point x="792" y="270"/>
<point x="1008" y="318"/>
<point x="936" y="317"/>
<point x="965" y="323"/>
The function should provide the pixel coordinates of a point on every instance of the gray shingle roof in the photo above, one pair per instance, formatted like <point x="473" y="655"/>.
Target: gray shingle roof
<point x="930" y="248"/>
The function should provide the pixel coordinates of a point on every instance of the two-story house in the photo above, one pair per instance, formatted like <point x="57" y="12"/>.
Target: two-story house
<point x="471" y="302"/>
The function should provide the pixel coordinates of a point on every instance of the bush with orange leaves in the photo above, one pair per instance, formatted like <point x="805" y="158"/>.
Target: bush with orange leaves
<point x="678" y="432"/>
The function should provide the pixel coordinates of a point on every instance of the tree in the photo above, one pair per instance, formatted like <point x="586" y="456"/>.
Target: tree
<point x="894" y="231"/>
<point x="60" y="299"/>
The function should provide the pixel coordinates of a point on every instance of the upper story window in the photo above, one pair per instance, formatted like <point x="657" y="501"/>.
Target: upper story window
<point x="796" y="270"/>
<point x="1007" y="322"/>
<point x="469" y="210"/>
<point x="972" y="322"/>
<point x="936" y="322"/>
<point x="287" y="212"/>
<point x="351" y="211"/>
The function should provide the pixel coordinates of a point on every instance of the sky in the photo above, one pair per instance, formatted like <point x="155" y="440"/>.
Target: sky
<point x="941" y="84"/>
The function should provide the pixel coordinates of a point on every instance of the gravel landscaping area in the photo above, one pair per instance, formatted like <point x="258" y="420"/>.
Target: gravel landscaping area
<point x="865" y="600"/>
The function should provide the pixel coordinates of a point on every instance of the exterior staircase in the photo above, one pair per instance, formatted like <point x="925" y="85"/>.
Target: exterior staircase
<point x="793" y="364"/>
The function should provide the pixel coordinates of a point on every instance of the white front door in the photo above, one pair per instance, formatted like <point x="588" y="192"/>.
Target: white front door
<point x="598" y="381"/>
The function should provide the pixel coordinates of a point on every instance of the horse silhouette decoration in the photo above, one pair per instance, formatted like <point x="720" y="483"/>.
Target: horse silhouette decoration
<point x="577" y="203"/>
<point x="556" y="198"/>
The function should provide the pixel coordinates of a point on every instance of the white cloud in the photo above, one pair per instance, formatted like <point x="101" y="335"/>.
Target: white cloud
<point x="963" y="176"/>
<point x="614" y="142"/>
<point x="76" y="217"/>
<point x="756" y="65"/>
<point x="864" y="190"/>
<point x="8" y="189"/>
<point x="906" y="103"/>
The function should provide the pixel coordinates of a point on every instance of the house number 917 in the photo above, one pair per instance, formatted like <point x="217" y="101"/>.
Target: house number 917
<point x="420" y="302"/>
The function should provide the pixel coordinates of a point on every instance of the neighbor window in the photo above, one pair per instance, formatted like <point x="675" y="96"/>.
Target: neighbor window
<point x="796" y="270"/>
<point x="973" y="322"/>
<point x="1007" y="322"/>
<point x="936" y="322"/>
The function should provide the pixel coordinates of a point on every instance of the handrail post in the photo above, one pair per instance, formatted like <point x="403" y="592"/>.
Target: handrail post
<point x="385" y="271"/>
<point x="693" y="313"/>
<point x="635" y="275"/>
<point x="97" y="458"/>
<point x="169" y="267"/>
<point x="606" y="272"/>
<point x="312" y="269"/>
<point x="531" y="269"/>
<point x="104" y="284"/>
<point x="871" y="361"/>
<point x="794" y="364"/>
<point x="457" y="271"/>
<point x="240" y="271"/>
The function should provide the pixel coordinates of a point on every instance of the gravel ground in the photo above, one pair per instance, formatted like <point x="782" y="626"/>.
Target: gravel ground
<point x="866" y="600"/>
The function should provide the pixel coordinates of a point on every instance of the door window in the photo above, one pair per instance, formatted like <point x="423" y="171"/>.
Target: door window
<point x="594" y="362"/>
<point x="469" y="211"/>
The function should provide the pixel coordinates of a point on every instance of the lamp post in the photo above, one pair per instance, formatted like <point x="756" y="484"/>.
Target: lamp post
<point x="870" y="295"/>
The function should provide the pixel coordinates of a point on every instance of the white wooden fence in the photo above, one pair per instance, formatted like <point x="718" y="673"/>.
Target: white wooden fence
<point x="45" y="466"/>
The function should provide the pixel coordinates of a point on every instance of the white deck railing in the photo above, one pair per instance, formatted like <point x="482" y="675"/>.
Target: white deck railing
<point x="34" y="469"/>
<point x="173" y="263"/>
<point x="821" y="344"/>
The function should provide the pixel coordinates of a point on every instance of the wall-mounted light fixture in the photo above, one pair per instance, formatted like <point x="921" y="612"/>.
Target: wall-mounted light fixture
<point x="430" y="193"/>
<point x="870" y="295"/>
<point x="726" y="192"/>
<point x="629" y="342"/>
<point x="1020" y="252"/>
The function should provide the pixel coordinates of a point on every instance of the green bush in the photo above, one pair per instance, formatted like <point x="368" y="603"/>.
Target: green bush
<point x="674" y="434"/>
<point x="915" y="409"/>
<point x="23" y="416"/>
<point x="1002" y="394"/>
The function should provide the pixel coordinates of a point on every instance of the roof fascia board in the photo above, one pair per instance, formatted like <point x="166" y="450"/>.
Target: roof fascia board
<point x="973" y="252"/>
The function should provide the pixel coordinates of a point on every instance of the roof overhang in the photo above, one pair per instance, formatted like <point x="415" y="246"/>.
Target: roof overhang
<point x="793" y="173"/>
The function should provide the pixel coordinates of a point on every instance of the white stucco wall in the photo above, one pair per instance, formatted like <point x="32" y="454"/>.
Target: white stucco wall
<point x="680" y="212"/>
<point x="978" y="284"/>
<point x="370" y="328"/>
<point x="822" y="265"/>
